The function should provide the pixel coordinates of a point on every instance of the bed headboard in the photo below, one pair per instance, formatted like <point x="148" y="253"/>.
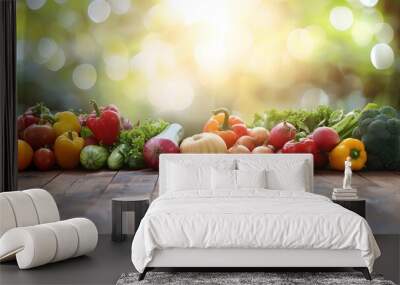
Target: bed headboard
<point x="202" y="159"/>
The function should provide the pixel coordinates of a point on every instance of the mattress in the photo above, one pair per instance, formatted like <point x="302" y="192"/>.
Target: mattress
<point x="250" y="219"/>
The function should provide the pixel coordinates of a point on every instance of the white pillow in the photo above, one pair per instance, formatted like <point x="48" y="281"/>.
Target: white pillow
<point x="223" y="179"/>
<point x="295" y="180"/>
<point x="251" y="178"/>
<point x="281" y="174"/>
<point x="187" y="175"/>
<point x="182" y="177"/>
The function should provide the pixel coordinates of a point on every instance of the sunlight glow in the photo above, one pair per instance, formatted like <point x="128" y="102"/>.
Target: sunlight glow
<point x="172" y="94"/>
<point x="300" y="43"/>
<point x="117" y="67"/>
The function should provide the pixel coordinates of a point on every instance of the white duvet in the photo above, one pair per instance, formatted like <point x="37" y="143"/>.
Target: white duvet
<point x="250" y="219"/>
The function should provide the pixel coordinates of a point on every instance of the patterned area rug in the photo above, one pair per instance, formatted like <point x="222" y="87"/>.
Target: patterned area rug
<point x="268" y="278"/>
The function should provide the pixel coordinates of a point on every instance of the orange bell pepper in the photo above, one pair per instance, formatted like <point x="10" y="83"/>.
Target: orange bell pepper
<point x="221" y="123"/>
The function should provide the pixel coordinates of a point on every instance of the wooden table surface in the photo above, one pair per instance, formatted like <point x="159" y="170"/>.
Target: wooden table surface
<point x="88" y="194"/>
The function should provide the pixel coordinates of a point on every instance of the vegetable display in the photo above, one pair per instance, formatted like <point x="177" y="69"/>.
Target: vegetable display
<point x="103" y="138"/>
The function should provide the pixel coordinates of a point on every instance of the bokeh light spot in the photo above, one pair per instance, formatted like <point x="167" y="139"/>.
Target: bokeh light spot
<point x="99" y="11"/>
<point x="341" y="18"/>
<point x="120" y="7"/>
<point x="369" y="3"/>
<point x="47" y="47"/>
<point x="382" y="56"/>
<point x="362" y="33"/>
<point x="35" y="4"/>
<point x="384" y="33"/>
<point x="84" y="76"/>
<point x="314" y="97"/>
<point x="57" y="61"/>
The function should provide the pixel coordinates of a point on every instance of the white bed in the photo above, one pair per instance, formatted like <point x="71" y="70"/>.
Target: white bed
<point x="197" y="224"/>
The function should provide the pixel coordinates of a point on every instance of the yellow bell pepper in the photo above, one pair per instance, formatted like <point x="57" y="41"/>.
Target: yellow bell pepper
<point x="352" y="148"/>
<point x="66" y="121"/>
<point x="67" y="150"/>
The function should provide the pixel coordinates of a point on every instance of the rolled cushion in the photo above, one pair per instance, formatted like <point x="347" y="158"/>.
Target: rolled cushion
<point x="26" y="208"/>
<point x="87" y="234"/>
<point x="46" y="207"/>
<point x="23" y="208"/>
<point x="37" y="245"/>
<point x="7" y="218"/>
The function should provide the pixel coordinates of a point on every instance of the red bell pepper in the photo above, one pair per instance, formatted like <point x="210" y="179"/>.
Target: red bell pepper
<point x="105" y="124"/>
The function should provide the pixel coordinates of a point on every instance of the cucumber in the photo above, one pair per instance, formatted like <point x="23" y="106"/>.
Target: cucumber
<point x="93" y="157"/>
<point x="116" y="159"/>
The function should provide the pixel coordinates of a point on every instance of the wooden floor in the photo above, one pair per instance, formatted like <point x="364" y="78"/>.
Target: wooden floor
<point x="88" y="194"/>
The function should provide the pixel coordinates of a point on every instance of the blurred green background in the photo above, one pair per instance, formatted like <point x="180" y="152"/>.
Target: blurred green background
<point x="179" y="59"/>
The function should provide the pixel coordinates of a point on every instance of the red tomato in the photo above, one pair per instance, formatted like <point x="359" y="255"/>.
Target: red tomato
<point x="44" y="159"/>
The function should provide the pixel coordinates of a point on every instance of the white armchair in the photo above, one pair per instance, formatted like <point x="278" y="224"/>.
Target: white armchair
<point x="31" y="230"/>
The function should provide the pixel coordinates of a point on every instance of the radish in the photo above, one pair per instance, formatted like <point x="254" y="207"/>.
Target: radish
<point x="326" y="138"/>
<point x="281" y="134"/>
<point x="165" y="142"/>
